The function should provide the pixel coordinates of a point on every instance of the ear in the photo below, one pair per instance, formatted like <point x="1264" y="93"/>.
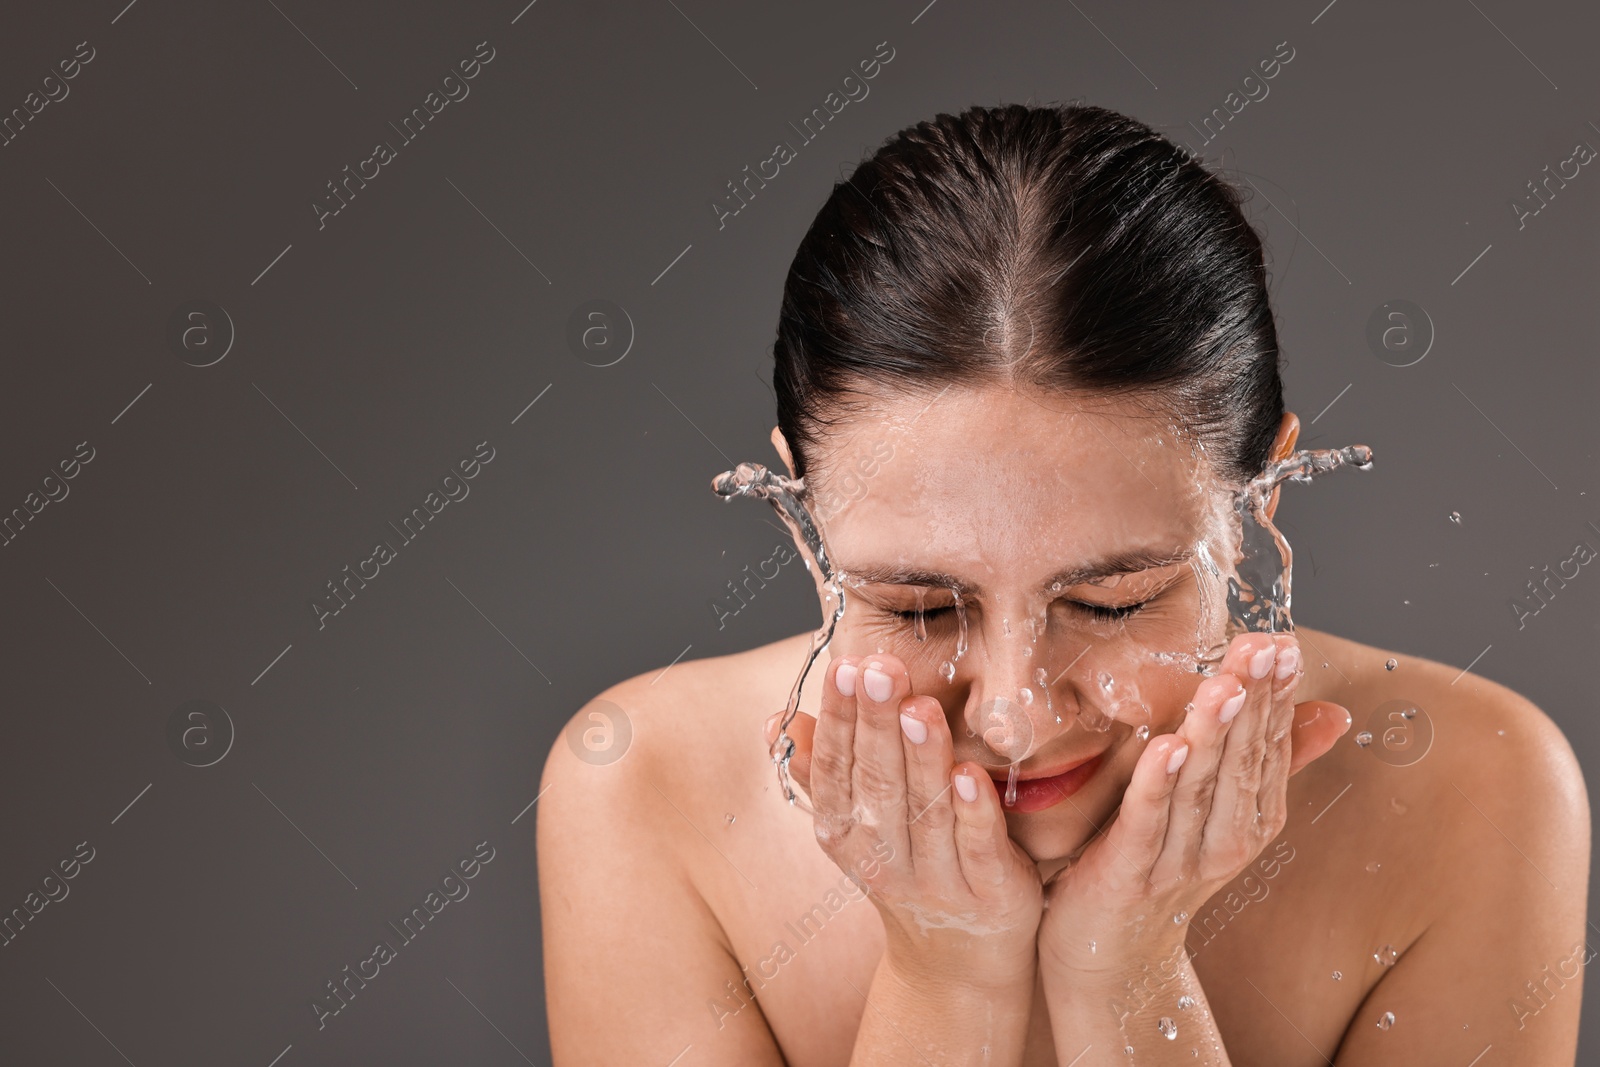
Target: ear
<point x="782" y="445"/>
<point x="1282" y="448"/>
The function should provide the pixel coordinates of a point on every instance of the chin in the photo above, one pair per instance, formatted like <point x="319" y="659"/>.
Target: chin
<point x="1056" y="834"/>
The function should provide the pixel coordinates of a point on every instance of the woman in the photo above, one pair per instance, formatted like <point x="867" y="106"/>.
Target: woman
<point x="1021" y="353"/>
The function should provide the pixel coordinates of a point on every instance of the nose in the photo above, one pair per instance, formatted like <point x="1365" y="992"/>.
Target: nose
<point x="1009" y="705"/>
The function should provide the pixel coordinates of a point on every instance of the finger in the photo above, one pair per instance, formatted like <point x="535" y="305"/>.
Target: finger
<point x="1272" y="801"/>
<point x="929" y="756"/>
<point x="1140" y="827"/>
<point x="833" y="742"/>
<point x="983" y="846"/>
<point x="1232" y="820"/>
<point x="1317" y="725"/>
<point x="878" y="774"/>
<point x="1216" y="703"/>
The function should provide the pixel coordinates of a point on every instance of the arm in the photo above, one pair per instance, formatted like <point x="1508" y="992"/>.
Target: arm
<point x="942" y="1019"/>
<point x="958" y="899"/>
<point x="636" y="966"/>
<point x="1506" y="953"/>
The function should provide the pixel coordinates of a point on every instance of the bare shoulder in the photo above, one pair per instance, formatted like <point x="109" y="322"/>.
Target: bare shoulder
<point x="1491" y="772"/>
<point x="632" y="786"/>
<point x="671" y="724"/>
<point x="1472" y="725"/>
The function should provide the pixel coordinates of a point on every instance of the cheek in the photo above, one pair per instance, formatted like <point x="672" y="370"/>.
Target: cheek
<point x="1170" y="692"/>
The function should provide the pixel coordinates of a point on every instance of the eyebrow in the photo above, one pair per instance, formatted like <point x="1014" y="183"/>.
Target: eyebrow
<point x="1126" y="562"/>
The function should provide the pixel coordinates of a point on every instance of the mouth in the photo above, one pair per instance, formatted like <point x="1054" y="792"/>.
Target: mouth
<point x="1038" y="792"/>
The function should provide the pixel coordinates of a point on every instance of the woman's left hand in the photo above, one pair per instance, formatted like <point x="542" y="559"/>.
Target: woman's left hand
<point x="1201" y="806"/>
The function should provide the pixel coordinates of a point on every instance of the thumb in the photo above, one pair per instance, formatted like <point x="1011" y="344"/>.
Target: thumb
<point x="1317" y="725"/>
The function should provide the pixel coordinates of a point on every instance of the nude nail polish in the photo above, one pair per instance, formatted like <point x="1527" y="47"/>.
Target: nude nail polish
<point x="916" y="732"/>
<point x="877" y="684"/>
<point x="1261" y="662"/>
<point x="967" y="787"/>
<point x="1175" y="760"/>
<point x="1288" y="663"/>
<point x="845" y="679"/>
<point x="1231" y="707"/>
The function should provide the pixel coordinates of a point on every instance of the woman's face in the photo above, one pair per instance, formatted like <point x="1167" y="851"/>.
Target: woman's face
<point x="1065" y="529"/>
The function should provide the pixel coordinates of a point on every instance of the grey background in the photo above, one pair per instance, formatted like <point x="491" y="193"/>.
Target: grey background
<point x="425" y="317"/>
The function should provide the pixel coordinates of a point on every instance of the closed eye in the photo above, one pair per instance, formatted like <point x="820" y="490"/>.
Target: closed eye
<point x="1101" y="612"/>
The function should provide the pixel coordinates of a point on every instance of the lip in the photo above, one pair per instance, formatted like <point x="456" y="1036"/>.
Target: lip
<point x="1038" y="792"/>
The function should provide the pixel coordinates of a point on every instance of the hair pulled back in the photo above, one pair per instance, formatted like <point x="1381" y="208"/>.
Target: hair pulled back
<point x="1066" y="247"/>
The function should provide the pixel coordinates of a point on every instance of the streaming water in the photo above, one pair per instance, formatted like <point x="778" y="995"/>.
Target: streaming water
<point x="784" y="494"/>
<point x="1247" y="556"/>
<point x="1258" y="582"/>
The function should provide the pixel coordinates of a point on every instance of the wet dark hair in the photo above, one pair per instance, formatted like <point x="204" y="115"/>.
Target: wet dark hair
<point x="1066" y="247"/>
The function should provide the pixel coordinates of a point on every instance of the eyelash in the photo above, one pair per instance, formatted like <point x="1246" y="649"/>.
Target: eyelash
<point x="1099" y="611"/>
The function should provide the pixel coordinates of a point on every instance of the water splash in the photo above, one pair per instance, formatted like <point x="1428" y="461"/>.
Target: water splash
<point x="785" y="495"/>
<point x="1258" y="581"/>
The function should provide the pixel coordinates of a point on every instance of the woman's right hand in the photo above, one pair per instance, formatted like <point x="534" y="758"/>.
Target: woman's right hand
<point x="959" y="899"/>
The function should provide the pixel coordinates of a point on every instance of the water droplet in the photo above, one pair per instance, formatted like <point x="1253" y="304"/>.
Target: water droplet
<point x="1386" y="1020"/>
<point x="1364" y="738"/>
<point x="1390" y="664"/>
<point x="961" y="625"/>
<point x="1142" y="732"/>
<point x="1337" y="975"/>
<point x="1502" y="733"/>
<point x="1025" y="696"/>
<point x="1105" y="680"/>
<point x="1386" y="955"/>
<point x="1039" y="678"/>
<point x="1185" y="1002"/>
<point x="1372" y="868"/>
<point x="1091" y="948"/>
<point x="730" y="817"/>
<point x="1455" y="517"/>
<point x="947" y="671"/>
<point x="1127" y="1050"/>
<point x="1398" y="806"/>
<point x="1178" y="919"/>
<point x="1168" y="1028"/>
<point x="1011" y="785"/>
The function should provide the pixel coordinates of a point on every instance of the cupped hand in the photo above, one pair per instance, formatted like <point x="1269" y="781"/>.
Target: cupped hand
<point x="1202" y="804"/>
<point x="958" y="898"/>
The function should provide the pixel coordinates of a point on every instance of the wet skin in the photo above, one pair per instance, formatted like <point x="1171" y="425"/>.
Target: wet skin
<point x="652" y="900"/>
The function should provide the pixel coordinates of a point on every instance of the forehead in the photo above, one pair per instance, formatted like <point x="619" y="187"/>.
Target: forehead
<point x="993" y="482"/>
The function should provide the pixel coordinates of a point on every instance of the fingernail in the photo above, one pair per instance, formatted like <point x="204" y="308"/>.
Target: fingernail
<point x="1261" y="662"/>
<point x="1231" y="707"/>
<point x="916" y="731"/>
<point x="877" y="684"/>
<point x="967" y="786"/>
<point x="845" y="679"/>
<point x="1175" y="760"/>
<point x="1288" y="663"/>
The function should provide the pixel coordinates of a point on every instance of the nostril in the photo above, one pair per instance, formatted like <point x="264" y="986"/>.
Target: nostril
<point x="1005" y="726"/>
